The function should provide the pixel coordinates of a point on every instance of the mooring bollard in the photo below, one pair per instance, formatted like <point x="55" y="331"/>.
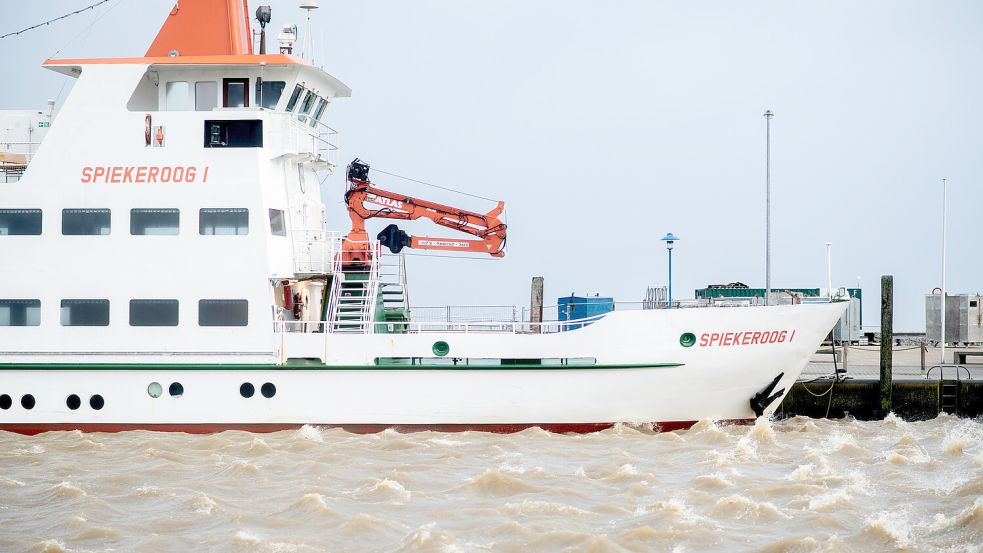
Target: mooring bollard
<point x="887" y="341"/>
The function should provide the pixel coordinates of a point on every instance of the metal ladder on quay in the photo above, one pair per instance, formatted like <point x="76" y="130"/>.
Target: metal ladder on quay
<point x="950" y="389"/>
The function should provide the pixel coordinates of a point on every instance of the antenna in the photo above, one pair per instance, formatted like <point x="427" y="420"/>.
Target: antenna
<point x="309" y="5"/>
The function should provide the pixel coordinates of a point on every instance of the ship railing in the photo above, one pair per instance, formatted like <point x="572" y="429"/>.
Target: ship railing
<point x="315" y="251"/>
<point x="14" y="159"/>
<point x="302" y="138"/>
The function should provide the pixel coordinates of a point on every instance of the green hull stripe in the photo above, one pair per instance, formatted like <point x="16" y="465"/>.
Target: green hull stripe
<point x="304" y="367"/>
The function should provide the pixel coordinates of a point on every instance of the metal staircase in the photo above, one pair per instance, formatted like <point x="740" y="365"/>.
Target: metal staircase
<point x="354" y="295"/>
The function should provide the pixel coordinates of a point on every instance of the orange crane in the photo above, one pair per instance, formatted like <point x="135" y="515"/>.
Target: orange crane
<point x="487" y="227"/>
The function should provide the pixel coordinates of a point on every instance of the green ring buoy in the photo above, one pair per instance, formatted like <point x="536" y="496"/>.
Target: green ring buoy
<point x="688" y="339"/>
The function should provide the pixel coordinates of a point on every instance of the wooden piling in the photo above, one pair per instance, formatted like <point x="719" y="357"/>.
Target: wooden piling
<point x="536" y="305"/>
<point x="887" y="341"/>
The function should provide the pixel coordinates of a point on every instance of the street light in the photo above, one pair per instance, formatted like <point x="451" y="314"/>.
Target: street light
<point x="768" y="116"/>
<point x="669" y="239"/>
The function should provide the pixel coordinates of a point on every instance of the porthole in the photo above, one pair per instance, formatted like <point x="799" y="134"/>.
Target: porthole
<point x="688" y="339"/>
<point x="155" y="390"/>
<point x="27" y="401"/>
<point x="247" y="390"/>
<point x="175" y="389"/>
<point x="73" y="402"/>
<point x="268" y="390"/>
<point x="96" y="402"/>
<point x="5" y="402"/>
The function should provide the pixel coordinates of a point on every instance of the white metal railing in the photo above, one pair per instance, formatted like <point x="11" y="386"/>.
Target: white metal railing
<point x="315" y="251"/>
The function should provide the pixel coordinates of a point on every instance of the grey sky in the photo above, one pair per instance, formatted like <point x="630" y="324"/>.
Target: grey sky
<point x="604" y="125"/>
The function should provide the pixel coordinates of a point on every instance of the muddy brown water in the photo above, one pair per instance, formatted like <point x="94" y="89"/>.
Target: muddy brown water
<point x="797" y="485"/>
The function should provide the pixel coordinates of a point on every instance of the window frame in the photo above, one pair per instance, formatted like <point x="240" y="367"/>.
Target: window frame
<point x="24" y="211"/>
<point x="244" y="81"/>
<point x="86" y="210"/>
<point x="152" y="301"/>
<point x="244" y="321"/>
<point x="84" y="301"/>
<point x="282" y="216"/>
<point x="29" y="303"/>
<point x="201" y="220"/>
<point x="177" y="228"/>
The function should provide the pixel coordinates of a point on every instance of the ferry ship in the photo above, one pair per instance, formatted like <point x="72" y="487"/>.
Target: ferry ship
<point x="168" y="265"/>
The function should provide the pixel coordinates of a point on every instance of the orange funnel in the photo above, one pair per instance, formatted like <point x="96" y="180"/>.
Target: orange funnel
<point x="205" y="28"/>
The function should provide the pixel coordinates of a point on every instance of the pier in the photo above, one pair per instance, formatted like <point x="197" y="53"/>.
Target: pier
<point x="909" y="378"/>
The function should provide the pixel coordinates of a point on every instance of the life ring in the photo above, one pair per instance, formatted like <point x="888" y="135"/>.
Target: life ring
<point x="147" y="126"/>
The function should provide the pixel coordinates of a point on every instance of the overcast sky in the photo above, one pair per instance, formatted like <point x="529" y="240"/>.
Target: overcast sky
<point x="604" y="125"/>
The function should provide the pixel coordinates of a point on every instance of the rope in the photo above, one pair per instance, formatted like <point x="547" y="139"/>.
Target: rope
<point x="50" y="21"/>
<point x="433" y="185"/>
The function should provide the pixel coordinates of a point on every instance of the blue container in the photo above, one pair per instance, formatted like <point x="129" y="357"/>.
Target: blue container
<point x="573" y="308"/>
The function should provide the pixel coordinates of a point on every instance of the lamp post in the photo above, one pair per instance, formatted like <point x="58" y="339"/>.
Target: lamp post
<point x="669" y="239"/>
<point x="768" y="116"/>
<point x="829" y="270"/>
<point x="945" y="215"/>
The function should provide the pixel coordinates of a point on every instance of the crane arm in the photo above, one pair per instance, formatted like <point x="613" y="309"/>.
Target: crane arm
<point x="365" y="202"/>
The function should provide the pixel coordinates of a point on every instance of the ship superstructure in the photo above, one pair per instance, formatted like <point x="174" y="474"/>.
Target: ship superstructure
<point x="168" y="265"/>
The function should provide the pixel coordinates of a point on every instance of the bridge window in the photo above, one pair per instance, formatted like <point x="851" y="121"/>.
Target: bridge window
<point x="223" y="221"/>
<point x="305" y="108"/>
<point x="223" y="312"/>
<point x="20" y="222"/>
<point x="270" y="92"/>
<point x="278" y="224"/>
<point x="20" y="312"/>
<point x="78" y="222"/>
<point x="206" y="95"/>
<point x="158" y="222"/>
<point x="316" y="118"/>
<point x="294" y="97"/>
<point x="177" y="96"/>
<point x="235" y="93"/>
<point x="241" y="133"/>
<point x="153" y="312"/>
<point x="84" y="312"/>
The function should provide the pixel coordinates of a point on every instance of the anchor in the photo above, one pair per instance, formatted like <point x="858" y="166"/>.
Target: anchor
<point x="761" y="400"/>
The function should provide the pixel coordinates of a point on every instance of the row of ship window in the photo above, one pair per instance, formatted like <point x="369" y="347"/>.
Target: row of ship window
<point x="203" y="96"/>
<point x="143" y="312"/>
<point x="157" y="222"/>
<point x="154" y="390"/>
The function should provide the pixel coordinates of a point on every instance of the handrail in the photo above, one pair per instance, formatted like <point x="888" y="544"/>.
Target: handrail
<point x="942" y="367"/>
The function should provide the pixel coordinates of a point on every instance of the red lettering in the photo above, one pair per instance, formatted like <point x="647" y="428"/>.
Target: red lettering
<point x="715" y="338"/>
<point x="782" y="335"/>
<point x="755" y="337"/>
<point x="792" y="336"/>
<point x="205" y="178"/>
<point x="773" y="337"/>
<point x="179" y="174"/>
<point x="128" y="174"/>
<point x="99" y="172"/>
<point x="114" y="175"/>
<point x="152" y="175"/>
<point x="165" y="174"/>
<point x="189" y="175"/>
<point x="86" y="175"/>
<point x="704" y="340"/>
<point x="747" y="339"/>
<point x="141" y="174"/>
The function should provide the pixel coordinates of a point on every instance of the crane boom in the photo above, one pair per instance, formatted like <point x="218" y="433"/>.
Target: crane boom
<point x="488" y="229"/>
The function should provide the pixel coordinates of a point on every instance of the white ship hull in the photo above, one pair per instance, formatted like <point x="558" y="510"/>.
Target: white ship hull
<point x="641" y="374"/>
